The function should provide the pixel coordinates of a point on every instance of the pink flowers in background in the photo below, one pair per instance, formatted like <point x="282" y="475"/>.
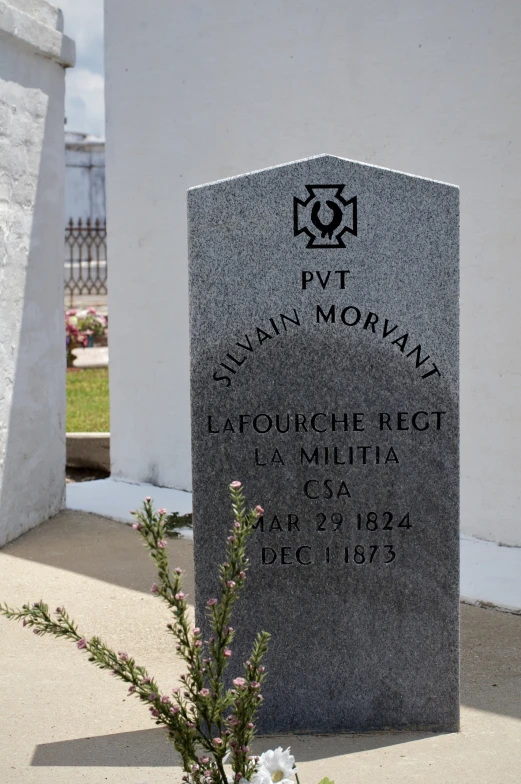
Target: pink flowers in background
<point x="82" y="329"/>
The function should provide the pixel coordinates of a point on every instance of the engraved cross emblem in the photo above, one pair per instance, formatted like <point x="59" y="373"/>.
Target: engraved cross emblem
<point x="325" y="216"/>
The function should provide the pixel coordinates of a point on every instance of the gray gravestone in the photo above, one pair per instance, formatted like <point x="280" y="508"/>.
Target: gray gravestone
<point x="324" y="349"/>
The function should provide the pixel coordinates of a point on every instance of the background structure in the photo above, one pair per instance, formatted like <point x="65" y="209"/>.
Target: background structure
<point x="84" y="176"/>
<point x="202" y="91"/>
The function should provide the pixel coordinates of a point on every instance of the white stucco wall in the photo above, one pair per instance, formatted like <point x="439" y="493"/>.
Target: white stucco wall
<point x="203" y="90"/>
<point x="33" y="54"/>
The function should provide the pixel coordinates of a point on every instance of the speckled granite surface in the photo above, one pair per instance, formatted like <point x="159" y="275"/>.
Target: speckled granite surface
<point x="324" y="344"/>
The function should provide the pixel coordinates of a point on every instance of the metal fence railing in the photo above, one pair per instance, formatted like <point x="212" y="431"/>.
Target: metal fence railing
<point x="85" y="258"/>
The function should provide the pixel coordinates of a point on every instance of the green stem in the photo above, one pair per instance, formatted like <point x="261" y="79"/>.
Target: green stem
<point x="219" y="764"/>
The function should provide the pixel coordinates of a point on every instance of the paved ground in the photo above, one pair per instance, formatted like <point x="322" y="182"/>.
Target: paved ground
<point x="64" y="721"/>
<point x="97" y="356"/>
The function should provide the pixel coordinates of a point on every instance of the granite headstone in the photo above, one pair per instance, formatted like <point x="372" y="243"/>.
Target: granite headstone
<point x="324" y="353"/>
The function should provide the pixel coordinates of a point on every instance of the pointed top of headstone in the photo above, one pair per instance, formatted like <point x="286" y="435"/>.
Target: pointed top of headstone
<point x="319" y="161"/>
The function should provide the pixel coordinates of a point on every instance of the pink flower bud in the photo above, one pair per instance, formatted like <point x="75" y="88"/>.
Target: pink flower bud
<point x="148" y="679"/>
<point x="205" y="692"/>
<point x="147" y="498"/>
<point x="154" y="712"/>
<point x="136" y="526"/>
<point x="162" y="511"/>
<point x="255" y="685"/>
<point x="154" y="588"/>
<point x="180" y="596"/>
<point x="227" y="653"/>
<point x="123" y="656"/>
<point x="198" y="644"/>
<point x="211" y="602"/>
<point x="131" y="689"/>
<point x="249" y="725"/>
<point x="82" y="643"/>
<point x="235" y="484"/>
<point x="152" y="696"/>
<point x="217" y="741"/>
<point x="236" y="524"/>
<point x="177" y="570"/>
<point x="242" y="575"/>
<point x="162" y="544"/>
<point x="231" y="584"/>
<point x="239" y="682"/>
<point x="259" y="511"/>
<point x="165" y="700"/>
<point x="231" y="539"/>
<point x="175" y="709"/>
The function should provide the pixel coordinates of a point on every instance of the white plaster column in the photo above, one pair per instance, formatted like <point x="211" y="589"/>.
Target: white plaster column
<point x="33" y="55"/>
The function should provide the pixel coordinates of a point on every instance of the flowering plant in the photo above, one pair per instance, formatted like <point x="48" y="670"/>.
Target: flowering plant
<point x="79" y="326"/>
<point x="210" y="725"/>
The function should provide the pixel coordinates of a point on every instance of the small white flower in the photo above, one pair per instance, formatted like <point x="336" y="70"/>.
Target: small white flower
<point x="276" y="766"/>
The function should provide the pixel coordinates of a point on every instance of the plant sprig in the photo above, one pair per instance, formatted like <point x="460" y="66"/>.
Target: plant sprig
<point x="206" y="722"/>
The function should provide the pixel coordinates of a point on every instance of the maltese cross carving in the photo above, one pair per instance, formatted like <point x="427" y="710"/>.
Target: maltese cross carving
<point x="325" y="216"/>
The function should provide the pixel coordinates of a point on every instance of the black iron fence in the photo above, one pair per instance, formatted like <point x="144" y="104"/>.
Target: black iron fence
<point x="85" y="258"/>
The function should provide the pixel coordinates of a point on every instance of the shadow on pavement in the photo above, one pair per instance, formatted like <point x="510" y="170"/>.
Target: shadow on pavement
<point x="151" y="748"/>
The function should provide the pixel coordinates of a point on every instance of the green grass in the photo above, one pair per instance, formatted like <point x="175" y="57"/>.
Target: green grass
<point x="88" y="401"/>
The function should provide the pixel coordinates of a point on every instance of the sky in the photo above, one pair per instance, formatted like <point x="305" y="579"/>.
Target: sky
<point x="84" y="102"/>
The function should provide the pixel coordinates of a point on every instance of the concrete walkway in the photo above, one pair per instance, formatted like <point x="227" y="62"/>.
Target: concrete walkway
<point x="95" y="357"/>
<point x="64" y="721"/>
